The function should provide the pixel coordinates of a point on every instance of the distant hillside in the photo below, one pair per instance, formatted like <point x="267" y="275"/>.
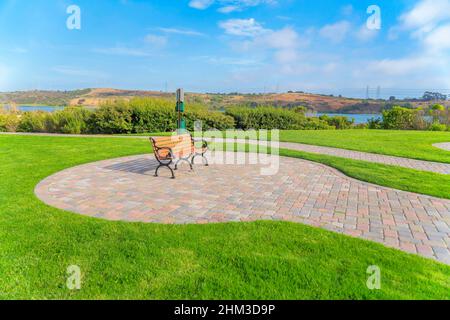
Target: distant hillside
<point x="314" y="102"/>
<point x="38" y="97"/>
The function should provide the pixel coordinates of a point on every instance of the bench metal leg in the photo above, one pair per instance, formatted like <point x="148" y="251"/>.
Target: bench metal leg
<point x="204" y="160"/>
<point x="183" y="160"/>
<point x="167" y="166"/>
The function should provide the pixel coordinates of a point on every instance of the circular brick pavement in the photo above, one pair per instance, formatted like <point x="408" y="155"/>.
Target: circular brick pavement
<point x="125" y="189"/>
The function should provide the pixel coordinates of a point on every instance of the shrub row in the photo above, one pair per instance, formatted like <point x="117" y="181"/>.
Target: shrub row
<point x="274" y="118"/>
<point x="142" y="115"/>
<point x="399" y="118"/>
<point x="136" y="116"/>
<point x="339" y="122"/>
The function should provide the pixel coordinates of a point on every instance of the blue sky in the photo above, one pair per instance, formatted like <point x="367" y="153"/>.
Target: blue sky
<point x="227" y="45"/>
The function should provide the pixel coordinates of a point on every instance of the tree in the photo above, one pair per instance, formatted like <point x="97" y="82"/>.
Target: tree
<point x="437" y="107"/>
<point x="436" y="111"/>
<point x="431" y="96"/>
<point x="300" y="109"/>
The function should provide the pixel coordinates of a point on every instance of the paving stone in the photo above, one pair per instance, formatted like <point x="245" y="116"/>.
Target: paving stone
<point x="305" y="192"/>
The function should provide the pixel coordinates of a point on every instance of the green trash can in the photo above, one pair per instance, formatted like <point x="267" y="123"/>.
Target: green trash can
<point x="180" y="107"/>
<point x="183" y="124"/>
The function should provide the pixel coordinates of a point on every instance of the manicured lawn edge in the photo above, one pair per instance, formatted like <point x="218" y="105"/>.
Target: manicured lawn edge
<point x="422" y="182"/>
<point x="407" y="144"/>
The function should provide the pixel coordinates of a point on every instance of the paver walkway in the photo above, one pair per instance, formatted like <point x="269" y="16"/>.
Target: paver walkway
<point x="302" y="191"/>
<point x="436" y="167"/>
<point x="443" y="146"/>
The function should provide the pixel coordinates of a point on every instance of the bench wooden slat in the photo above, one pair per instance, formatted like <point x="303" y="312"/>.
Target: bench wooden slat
<point x="172" y="138"/>
<point x="184" y="144"/>
<point x="180" y="146"/>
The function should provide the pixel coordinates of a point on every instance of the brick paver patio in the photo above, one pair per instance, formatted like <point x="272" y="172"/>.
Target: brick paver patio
<point x="304" y="192"/>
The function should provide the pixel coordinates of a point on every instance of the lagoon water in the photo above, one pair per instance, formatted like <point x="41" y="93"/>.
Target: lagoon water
<point x="35" y="108"/>
<point x="39" y="108"/>
<point x="359" y="118"/>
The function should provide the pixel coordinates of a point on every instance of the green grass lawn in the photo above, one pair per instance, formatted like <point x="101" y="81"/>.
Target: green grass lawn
<point x="261" y="260"/>
<point x="409" y="144"/>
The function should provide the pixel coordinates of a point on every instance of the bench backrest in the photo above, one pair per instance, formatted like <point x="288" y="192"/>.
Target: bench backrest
<point x="182" y="146"/>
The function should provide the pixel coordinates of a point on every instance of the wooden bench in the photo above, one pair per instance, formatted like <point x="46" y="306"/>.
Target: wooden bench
<point x="176" y="149"/>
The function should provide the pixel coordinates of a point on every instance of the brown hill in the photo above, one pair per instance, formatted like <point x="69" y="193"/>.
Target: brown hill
<point x="315" y="102"/>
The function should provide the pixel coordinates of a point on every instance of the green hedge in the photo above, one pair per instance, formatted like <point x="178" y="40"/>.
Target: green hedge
<point x="274" y="118"/>
<point x="399" y="118"/>
<point x="339" y="122"/>
<point x="157" y="115"/>
<point x="436" y="118"/>
<point x="142" y="115"/>
<point x="139" y="115"/>
<point x="9" y="122"/>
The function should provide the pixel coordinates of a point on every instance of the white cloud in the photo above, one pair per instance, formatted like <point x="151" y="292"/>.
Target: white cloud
<point x="183" y="32"/>
<point x="242" y="27"/>
<point x="426" y="14"/>
<point x="229" y="9"/>
<point x="336" y="32"/>
<point x="156" y="41"/>
<point x="286" y="38"/>
<point x="439" y="39"/>
<point x="330" y="67"/>
<point x="366" y="34"/>
<point x="347" y="10"/>
<point x="285" y="56"/>
<point x="283" y="44"/>
<point x="399" y="67"/>
<point x="428" y="25"/>
<point x="122" y="51"/>
<point x="78" y="72"/>
<point x="200" y="4"/>
<point x="228" y="6"/>
<point x="422" y="19"/>
<point x="228" y="61"/>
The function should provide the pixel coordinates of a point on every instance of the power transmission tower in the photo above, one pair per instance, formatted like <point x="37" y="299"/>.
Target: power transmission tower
<point x="367" y="92"/>
<point x="378" y="92"/>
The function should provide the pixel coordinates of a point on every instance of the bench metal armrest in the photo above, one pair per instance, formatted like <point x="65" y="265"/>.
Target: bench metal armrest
<point x="204" y="147"/>
<point x="160" y="158"/>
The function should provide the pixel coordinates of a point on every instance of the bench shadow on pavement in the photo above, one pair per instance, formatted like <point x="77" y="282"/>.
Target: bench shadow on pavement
<point x="144" y="167"/>
<point x="139" y="166"/>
